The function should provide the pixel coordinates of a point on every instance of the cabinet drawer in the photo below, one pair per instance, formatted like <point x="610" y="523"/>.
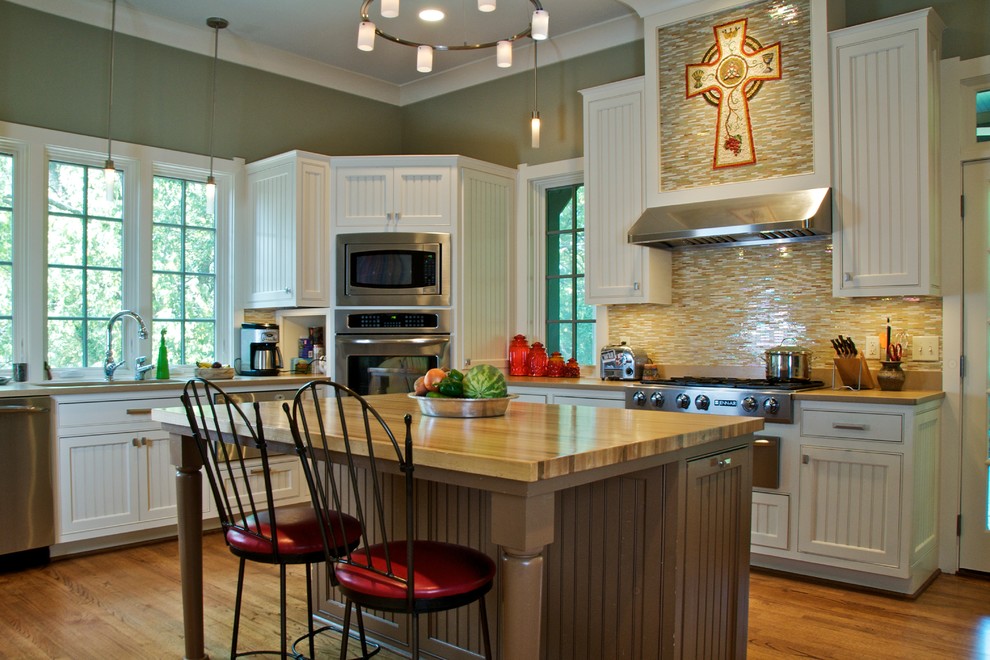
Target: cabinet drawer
<point x="771" y="513"/>
<point x="885" y="427"/>
<point x="96" y="416"/>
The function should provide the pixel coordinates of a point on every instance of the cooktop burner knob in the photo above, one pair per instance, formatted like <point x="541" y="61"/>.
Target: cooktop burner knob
<point x="771" y="405"/>
<point x="749" y="404"/>
<point x="656" y="399"/>
<point x="702" y="402"/>
<point x="683" y="401"/>
<point x="639" y="398"/>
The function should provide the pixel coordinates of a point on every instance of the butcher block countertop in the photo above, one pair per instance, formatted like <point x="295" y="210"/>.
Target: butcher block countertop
<point x="532" y="442"/>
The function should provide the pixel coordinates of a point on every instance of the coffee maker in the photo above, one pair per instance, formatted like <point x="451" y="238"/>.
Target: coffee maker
<point x="260" y="355"/>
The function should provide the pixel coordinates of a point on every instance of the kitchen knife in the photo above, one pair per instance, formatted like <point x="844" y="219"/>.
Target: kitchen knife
<point x="843" y="346"/>
<point x="852" y="347"/>
<point x="835" y="347"/>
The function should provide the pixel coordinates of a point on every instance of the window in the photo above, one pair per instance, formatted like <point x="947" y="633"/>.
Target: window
<point x="6" y="258"/>
<point x="85" y="271"/>
<point x="570" y="322"/>
<point x="184" y="242"/>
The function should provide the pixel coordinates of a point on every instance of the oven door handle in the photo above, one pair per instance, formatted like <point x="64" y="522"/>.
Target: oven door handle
<point x="363" y="340"/>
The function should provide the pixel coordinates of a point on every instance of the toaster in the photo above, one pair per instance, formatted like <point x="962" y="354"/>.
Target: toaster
<point x="621" y="362"/>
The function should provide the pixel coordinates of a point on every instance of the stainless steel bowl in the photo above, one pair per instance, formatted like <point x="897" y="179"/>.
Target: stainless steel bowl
<point x="444" y="407"/>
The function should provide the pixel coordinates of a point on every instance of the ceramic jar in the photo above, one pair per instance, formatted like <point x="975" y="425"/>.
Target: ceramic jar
<point x="519" y="356"/>
<point x="537" y="360"/>
<point x="890" y="377"/>
<point x="555" y="365"/>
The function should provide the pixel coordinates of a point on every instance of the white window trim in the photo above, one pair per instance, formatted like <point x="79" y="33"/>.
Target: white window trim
<point x="532" y="182"/>
<point x="33" y="149"/>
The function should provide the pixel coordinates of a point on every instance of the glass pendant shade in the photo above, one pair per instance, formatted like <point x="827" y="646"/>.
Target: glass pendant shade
<point x="109" y="178"/>
<point x="390" y="8"/>
<point x="366" y="36"/>
<point x="486" y="5"/>
<point x="541" y="24"/>
<point x="424" y="59"/>
<point x="211" y="193"/>
<point x="503" y="54"/>
<point x="534" y="126"/>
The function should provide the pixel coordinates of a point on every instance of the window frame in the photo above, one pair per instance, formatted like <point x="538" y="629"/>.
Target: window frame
<point x="36" y="147"/>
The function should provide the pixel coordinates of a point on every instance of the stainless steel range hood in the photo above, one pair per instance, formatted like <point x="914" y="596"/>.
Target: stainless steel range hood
<point x="756" y="220"/>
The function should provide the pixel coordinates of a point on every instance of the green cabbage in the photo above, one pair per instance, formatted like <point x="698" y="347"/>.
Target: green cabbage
<point x="484" y="382"/>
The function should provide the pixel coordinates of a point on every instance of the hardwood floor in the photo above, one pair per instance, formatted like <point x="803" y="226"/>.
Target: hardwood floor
<point x="126" y="603"/>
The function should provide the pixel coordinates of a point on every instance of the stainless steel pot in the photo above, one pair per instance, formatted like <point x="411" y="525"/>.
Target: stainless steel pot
<point x="788" y="362"/>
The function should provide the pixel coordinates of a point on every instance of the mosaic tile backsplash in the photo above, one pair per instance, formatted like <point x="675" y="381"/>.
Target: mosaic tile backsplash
<point x="732" y="304"/>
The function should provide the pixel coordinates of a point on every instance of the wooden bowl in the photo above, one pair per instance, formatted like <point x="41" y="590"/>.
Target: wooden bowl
<point x="209" y="373"/>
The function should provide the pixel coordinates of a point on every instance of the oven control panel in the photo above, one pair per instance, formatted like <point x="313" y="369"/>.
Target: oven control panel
<point x="422" y="321"/>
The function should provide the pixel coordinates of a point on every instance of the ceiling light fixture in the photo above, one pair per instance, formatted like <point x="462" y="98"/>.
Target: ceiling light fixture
<point x="538" y="29"/>
<point x="211" y="183"/>
<point x="432" y="15"/>
<point x="109" y="171"/>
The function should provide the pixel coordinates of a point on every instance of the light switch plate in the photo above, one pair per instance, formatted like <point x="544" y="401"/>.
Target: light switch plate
<point x="925" y="349"/>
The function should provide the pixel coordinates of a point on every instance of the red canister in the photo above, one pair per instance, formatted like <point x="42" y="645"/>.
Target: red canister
<point x="555" y="365"/>
<point x="537" y="362"/>
<point x="518" y="356"/>
<point x="572" y="369"/>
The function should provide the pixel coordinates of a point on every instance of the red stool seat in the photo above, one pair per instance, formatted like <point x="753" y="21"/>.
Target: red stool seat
<point x="298" y="532"/>
<point x="442" y="570"/>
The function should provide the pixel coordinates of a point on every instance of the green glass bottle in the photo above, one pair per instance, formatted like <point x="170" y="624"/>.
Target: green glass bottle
<point x="161" y="371"/>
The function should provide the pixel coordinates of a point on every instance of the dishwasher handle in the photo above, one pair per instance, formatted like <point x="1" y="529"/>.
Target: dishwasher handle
<point x="14" y="409"/>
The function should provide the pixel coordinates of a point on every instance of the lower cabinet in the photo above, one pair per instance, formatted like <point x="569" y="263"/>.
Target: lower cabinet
<point x="858" y="496"/>
<point x="613" y="397"/>
<point x="115" y="473"/>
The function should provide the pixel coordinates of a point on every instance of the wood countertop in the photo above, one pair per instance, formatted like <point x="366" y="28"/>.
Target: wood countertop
<point x="532" y="442"/>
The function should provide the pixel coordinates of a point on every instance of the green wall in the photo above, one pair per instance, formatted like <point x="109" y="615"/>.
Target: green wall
<point x="54" y="75"/>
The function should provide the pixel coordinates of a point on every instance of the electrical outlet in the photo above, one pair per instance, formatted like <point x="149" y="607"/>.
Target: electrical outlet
<point x="925" y="349"/>
<point x="873" y="348"/>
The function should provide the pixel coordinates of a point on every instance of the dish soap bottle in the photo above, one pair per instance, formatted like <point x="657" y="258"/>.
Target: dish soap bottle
<point x="161" y="370"/>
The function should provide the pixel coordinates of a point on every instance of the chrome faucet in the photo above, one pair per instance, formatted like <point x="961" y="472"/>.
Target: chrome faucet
<point x="109" y="366"/>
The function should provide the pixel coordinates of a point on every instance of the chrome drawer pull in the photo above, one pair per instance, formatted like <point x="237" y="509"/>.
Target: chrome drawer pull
<point x="138" y="411"/>
<point x="850" y="427"/>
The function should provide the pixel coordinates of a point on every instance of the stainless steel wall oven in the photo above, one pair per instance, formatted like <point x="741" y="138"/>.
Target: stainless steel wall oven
<point x="379" y="352"/>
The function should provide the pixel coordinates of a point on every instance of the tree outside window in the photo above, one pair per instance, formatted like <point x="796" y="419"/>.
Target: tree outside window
<point x="184" y="240"/>
<point x="570" y="322"/>
<point x="6" y="258"/>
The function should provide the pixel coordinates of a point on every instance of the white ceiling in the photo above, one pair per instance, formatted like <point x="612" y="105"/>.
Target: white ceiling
<point x="316" y="40"/>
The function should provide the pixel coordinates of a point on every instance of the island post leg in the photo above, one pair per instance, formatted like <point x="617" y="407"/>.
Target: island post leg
<point x="523" y="526"/>
<point x="189" y="500"/>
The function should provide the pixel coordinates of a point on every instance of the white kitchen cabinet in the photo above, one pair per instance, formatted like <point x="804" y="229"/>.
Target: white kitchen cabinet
<point x="615" y="271"/>
<point x="858" y="495"/>
<point x="114" y="467"/>
<point x="289" y="231"/>
<point x="885" y="99"/>
<point x="385" y="197"/>
<point x="610" y="397"/>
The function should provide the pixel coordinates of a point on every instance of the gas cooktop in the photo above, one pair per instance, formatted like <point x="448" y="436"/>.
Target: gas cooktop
<point x="745" y="397"/>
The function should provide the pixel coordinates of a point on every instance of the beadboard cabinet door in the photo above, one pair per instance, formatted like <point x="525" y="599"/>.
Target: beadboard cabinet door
<point x="615" y="271"/>
<point x="289" y="209"/>
<point x="385" y="198"/>
<point x="885" y="98"/>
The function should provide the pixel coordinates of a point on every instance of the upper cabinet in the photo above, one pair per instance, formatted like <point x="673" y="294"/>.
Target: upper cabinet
<point x="289" y="225"/>
<point x="615" y="271"/>
<point x="885" y="167"/>
<point x="383" y="197"/>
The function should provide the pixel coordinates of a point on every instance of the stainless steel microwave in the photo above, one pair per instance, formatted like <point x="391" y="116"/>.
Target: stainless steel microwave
<point x="387" y="269"/>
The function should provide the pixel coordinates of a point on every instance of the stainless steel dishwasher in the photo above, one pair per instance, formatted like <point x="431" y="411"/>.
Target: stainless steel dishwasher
<point x="28" y="515"/>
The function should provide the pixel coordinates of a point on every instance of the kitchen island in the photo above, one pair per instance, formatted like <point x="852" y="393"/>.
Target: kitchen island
<point x="622" y="532"/>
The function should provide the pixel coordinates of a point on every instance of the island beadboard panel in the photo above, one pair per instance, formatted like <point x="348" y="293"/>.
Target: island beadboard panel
<point x="731" y="304"/>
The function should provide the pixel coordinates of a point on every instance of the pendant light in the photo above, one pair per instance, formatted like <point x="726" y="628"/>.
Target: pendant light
<point x="109" y="171"/>
<point x="390" y="8"/>
<point x="211" y="183"/>
<point x="534" y="122"/>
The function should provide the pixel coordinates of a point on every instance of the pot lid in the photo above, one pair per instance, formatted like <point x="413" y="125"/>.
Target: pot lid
<point x="788" y="349"/>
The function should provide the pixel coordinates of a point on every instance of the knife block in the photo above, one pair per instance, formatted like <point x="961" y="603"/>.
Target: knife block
<point x="854" y="373"/>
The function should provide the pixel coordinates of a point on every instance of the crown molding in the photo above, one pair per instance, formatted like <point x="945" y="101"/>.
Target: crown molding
<point x="264" y="58"/>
